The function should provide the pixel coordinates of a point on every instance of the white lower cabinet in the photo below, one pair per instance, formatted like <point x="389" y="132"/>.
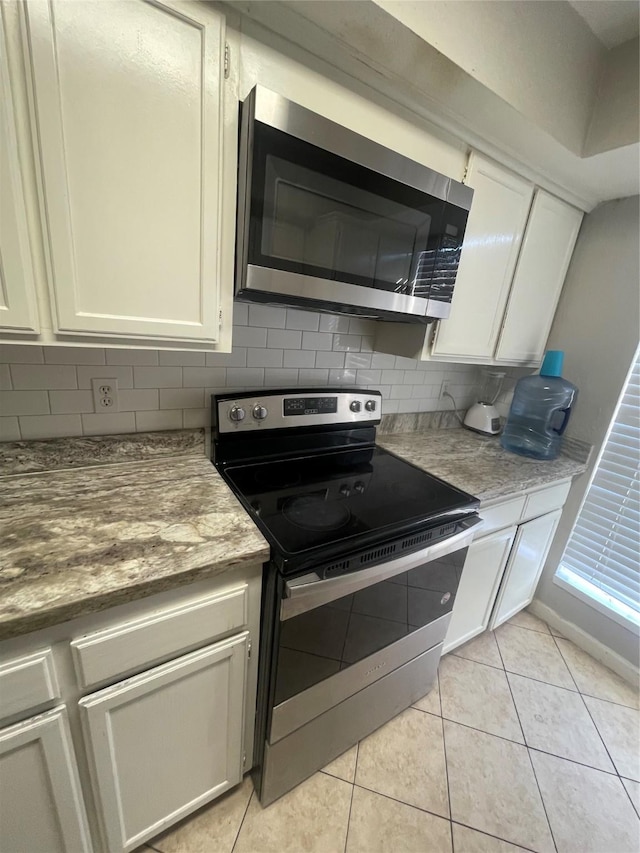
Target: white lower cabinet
<point x="167" y="741"/>
<point x="41" y="806"/>
<point x="525" y="565"/>
<point x="481" y="576"/>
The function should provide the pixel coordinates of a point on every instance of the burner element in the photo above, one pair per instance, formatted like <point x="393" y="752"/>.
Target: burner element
<point x="313" y="512"/>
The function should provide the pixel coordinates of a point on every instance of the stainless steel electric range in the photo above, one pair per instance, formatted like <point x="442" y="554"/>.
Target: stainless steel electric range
<point x="366" y="556"/>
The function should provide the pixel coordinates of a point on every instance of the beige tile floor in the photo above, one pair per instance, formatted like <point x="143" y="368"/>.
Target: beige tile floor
<point x="525" y="743"/>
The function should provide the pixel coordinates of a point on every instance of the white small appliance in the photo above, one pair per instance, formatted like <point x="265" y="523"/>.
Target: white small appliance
<point x="483" y="416"/>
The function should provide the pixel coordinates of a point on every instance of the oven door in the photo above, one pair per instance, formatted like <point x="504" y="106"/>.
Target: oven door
<point x="319" y="226"/>
<point x="339" y="635"/>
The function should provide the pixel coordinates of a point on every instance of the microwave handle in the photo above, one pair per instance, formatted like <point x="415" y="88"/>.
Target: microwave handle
<point x="310" y="591"/>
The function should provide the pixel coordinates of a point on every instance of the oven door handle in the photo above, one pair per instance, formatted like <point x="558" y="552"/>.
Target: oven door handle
<point x="310" y="591"/>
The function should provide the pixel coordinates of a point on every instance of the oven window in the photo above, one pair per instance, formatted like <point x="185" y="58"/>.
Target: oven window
<point x="318" y="214"/>
<point x="324" y="640"/>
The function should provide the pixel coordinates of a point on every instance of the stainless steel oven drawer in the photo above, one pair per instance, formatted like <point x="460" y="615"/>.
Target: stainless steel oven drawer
<point x="312" y="746"/>
<point x="305" y="706"/>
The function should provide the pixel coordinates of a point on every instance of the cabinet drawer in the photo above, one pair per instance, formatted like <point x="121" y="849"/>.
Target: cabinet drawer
<point x="501" y="515"/>
<point x="546" y="500"/>
<point x="130" y="646"/>
<point x="27" y="683"/>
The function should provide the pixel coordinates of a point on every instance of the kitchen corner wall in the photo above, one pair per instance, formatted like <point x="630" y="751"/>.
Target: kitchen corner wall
<point x="45" y="392"/>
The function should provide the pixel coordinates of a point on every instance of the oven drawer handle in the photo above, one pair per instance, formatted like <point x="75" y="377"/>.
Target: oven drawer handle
<point x="310" y="590"/>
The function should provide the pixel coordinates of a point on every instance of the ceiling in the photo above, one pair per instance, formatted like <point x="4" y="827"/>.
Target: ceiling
<point x="612" y="21"/>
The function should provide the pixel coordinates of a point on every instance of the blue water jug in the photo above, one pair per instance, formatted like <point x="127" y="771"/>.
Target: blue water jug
<point x="540" y="411"/>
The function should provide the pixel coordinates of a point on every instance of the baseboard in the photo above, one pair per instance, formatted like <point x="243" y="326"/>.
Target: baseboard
<point x="624" y="668"/>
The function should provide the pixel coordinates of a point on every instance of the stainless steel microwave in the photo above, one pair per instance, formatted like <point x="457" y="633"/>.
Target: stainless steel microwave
<point x="329" y="220"/>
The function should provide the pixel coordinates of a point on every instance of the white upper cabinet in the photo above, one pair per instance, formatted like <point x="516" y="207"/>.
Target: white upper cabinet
<point x="492" y="240"/>
<point x="18" y="307"/>
<point x="552" y="231"/>
<point x="129" y="110"/>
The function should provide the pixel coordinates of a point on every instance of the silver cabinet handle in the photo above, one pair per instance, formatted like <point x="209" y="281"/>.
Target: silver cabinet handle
<point x="310" y="591"/>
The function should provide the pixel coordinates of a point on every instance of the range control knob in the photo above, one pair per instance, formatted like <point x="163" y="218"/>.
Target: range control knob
<point x="345" y="490"/>
<point x="237" y="413"/>
<point x="355" y="405"/>
<point x="370" y="405"/>
<point x="359" y="487"/>
<point x="259" y="412"/>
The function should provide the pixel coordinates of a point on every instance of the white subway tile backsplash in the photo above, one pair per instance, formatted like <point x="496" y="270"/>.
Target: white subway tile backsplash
<point x="106" y="424"/>
<point x="237" y="358"/>
<point x="247" y="336"/>
<point x="330" y="359"/>
<point x="264" y="357"/>
<point x="124" y="375"/>
<point x="24" y="403"/>
<point x="9" y="429"/>
<point x="5" y="378"/>
<point x="333" y="323"/>
<point x="313" y="376"/>
<point x="71" y="402"/>
<point x="43" y="376"/>
<point x="284" y="339"/>
<point x="138" y="399"/>
<point x="305" y="321"/>
<point x="346" y="343"/>
<point x="181" y="398"/>
<point x="75" y="355"/>
<point x="182" y="359"/>
<point x="240" y="314"/>
<point x="269" y="316"/>
<point x="158" y="377"/>
<point x="299" y="358"/>
<point x="49" y="426"/>
<point x="244" y="377"/>
<point x="389" y="407"/>
<point x="274" y="377"/>
<point x="203" y="377"/>
<point x="46" y="392"/>
<point x="132" y="356"/>
<point x="317" y="340"/>
<point x="21" y="354"/>
<point x="383" y="360"/>
<point x="359" y="360"/>
<point x="163" y="419"/>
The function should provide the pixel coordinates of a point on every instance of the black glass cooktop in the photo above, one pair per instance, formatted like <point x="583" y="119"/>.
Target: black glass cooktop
<point x="344" y="499"/>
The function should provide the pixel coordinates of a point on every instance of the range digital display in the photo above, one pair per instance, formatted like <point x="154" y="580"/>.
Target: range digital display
<point x="310" y="406"/>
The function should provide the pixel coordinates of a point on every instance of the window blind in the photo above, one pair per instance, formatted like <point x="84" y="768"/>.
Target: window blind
<point x="603" y="553"/>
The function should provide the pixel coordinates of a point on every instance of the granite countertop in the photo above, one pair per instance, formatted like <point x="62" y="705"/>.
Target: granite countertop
<point x="78" y="541"/>
<point x="478" y="465"/>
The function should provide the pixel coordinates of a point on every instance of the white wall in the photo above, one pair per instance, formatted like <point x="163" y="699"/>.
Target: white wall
<point x="541" y="57"/>
<point x="597" y="325"/>
<point x="615" y="120"/>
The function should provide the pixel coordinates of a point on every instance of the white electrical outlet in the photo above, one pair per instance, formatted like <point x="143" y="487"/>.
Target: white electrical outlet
<point x="105" y="395"/>
<point x="444" y="389"/>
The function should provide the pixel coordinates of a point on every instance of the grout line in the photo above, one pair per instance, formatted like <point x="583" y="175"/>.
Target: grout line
<point x="446" y="774"/>
<point x="490" y="835"/>
<point x="636" y="808"/>
<point x="235" y="840"/>
<point x="346" y="836"/>
<point x="402" y="802"/>
<point x="533" y="769"/>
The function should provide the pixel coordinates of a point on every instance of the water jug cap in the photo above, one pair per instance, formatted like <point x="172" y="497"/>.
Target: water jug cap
<point x="552" y="363"/>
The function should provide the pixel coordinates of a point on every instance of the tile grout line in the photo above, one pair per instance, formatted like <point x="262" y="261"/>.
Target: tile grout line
<point x="533" y="769"/>
<point x="446" y="769"/>
<point x="402" y="802"/>
<point x="490" y="835"/>
<point x="235" y="840"/>
<point x="353" y="788"/>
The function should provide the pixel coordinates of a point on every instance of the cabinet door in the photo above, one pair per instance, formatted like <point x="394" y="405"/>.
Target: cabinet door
<point x="479" y="584"/>
<point x="18" y="311"/>
<point x="41" y="808"/>
<point x="525" y="565"/>
<point x="128" y="101"/>
<point x="552" y="231"/>
<point x="167" y="741"/>
<point x="492" y="239"/>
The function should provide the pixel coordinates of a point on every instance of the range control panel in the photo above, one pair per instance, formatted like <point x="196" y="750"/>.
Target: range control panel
<point x="280" y="409"/>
